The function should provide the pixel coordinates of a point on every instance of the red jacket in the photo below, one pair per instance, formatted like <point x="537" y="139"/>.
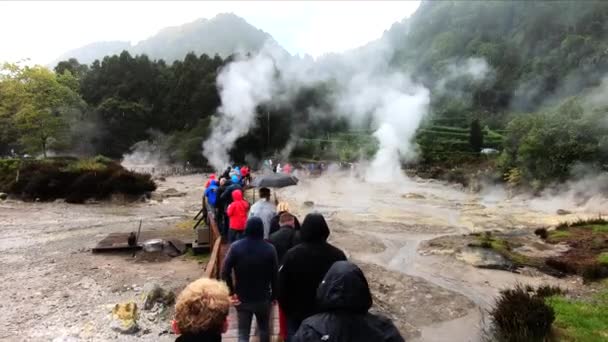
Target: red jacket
<point x="208" y="182"/>
<point x="244" y="171"/>
<point x="237" y="211"/>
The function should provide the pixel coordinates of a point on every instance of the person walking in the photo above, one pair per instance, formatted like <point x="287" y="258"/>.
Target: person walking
<point x="286" y="237"/>
<point x="344" y="300"/>
<point x="304" y="266"/>
<point x="264" y="209"/>
<point x="282" y="208"/>
<point x="255" y="265"/>
<point x="237" y="215"/>
<point x="201" y="311"/>
<point x="226" y="197"/>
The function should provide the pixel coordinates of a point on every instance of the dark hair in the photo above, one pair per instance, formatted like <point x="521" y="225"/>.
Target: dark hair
<point x="285" y="218"/>
<point x="265" y="193"/>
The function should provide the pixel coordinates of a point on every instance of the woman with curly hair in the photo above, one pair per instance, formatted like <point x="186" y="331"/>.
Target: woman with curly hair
<point x="201" y="311"/>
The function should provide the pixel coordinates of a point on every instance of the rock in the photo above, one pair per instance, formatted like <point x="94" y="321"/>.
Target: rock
<point x="309" y="203"/>
<point x="154" y="294"/>
<point x="411" y="195"/>
<point x="171" y="192"/>
<point x="155" y="196"/>
<point x="124" y="318"/>
<point x="3" y="196"/>
<point x="563" y="212"/>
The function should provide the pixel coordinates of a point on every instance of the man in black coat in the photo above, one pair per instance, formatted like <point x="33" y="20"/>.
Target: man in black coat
<point x="286" y="237"/>
<point x="255" y="266"/>
<point x="304" y="266"/>
<point x="344" y="299"/>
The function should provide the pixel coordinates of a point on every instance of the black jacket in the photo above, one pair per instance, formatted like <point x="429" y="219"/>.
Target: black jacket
<point x="274" y="223"/>
<point x="283" y="240"/>
<point x="226" y="195"/>
<point x="200" y="337"/>
<point x="255" y="265"/>
<point x="304" y="266"/>
<point x="344" y="299"/>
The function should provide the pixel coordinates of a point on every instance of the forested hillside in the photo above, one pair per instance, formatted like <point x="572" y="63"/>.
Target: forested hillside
<point x="223" y="34"/>
<point x="541" y="102"/>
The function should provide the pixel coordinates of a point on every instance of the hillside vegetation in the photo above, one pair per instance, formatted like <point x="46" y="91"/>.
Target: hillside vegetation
<point x="541" y="102"/>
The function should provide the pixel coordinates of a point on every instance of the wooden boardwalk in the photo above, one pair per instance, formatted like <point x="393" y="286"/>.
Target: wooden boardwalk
<point x="232" y="334"/>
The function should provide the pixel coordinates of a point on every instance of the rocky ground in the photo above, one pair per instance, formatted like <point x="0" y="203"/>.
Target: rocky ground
<point x="54" y="289"/>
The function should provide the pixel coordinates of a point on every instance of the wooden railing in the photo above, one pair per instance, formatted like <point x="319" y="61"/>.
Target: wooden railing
<point x="212" y="270"/>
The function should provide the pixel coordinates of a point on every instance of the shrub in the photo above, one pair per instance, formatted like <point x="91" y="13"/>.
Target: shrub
<point x="594" y="272"/>
<point x="521" y="316"/>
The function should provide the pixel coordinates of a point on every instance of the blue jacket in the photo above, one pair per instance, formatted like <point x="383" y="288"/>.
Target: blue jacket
<point x="211" y="192"/>
<point x="255" y="265"/>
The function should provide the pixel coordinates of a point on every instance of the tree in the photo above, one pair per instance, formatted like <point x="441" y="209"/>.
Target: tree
<point x="476" y="136"/>
<point x="39" y="106"/>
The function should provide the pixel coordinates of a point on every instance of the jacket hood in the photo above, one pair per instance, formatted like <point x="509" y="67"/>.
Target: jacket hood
<point x="237" y="195"/>
<point x="314" y="228"/>
<point x="344" y="288"/>
<point x="234" y="179"/>
<point x="214" y="183"/>
<point x="254" y="228"/>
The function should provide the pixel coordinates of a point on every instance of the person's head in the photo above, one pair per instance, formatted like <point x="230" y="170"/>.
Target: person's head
<point x="222" y="181"/>
<point x="344" y="288"/>
<point x="254" y="228"/>
<point x="212" y="177"/>
<point x="287" y="220"/>
<point x="237" y="195"/>
<point x="314" y="228"/>
<point x="202" y="307"/>
<point x="234" y="179"/>
<point x="265" y="193"/>
<point x="283" y="207"/>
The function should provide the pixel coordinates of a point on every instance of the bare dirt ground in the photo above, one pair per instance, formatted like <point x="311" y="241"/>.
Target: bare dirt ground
<point x="54" y="289"/>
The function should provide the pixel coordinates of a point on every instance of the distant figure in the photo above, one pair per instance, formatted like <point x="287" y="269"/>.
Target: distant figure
<point x="264" y="209"/>
<point x="226" y="173"/>
<point x="211" y="193"/>
<point x="304" y="266"/>
<point x="287" y="169"/>
<point x="245" y="174"/>
<point x="201" y="311"/>
<point x="226" y="196"/>
<point x="208" y="182"/>
<point x="237" y="215"/>
<point x="344" y="299"/>
<point x="279" y="168"/>
<point x="286" y="237"/>
<point x="282" y="207"/>
<point x="255" y="266"/>
<point x="221" y="208"/>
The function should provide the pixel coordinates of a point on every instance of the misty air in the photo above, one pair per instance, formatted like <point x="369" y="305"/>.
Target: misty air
<point x="304" y="171"/>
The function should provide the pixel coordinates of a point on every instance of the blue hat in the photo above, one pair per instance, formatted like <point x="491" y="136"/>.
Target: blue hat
<point x="234" y="179"/>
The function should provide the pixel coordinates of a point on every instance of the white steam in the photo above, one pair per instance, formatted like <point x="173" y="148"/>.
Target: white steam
<point x="243" y="84"/>
<point x="363" y="86"/>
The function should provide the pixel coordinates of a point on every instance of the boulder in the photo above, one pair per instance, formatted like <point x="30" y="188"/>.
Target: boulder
<point x="563" y="212"/>
<point x="3" y="196"/>
<point x="156" y="295"/>
<point x="171" y="192"/>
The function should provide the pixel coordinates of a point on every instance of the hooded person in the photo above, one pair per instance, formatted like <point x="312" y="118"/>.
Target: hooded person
<point x="201" y="311"/>
<point x="303" y="268"/>
<point x="211" y="193"/>
<point x="264" y="209"/>
<point x="255" y="266"/>
<point x="226" y="195"/>
<point x="208" y="182"/>
<point x="226" y="173"/>
<point x="282" y="208"/>
<point x="344" y="300"/>
<point x="237" y="215"/>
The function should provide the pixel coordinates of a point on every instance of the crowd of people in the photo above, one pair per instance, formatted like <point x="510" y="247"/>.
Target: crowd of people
<point x="273" y="259"/>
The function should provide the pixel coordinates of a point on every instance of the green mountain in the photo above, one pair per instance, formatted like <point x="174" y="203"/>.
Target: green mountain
<point x="224" y="35"/>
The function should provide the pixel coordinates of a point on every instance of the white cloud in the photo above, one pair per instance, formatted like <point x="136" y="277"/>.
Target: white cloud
<point x="44" y="30"/>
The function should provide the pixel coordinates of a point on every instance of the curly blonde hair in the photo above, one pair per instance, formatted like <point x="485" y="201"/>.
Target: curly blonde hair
<point x="202" y="306"/>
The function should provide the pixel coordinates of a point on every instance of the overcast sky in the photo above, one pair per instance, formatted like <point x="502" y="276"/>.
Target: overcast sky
<point x="44" y="30"/>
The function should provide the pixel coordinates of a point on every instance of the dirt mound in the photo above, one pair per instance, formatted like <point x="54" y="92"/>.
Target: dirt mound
<point x="75" y="180"/>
